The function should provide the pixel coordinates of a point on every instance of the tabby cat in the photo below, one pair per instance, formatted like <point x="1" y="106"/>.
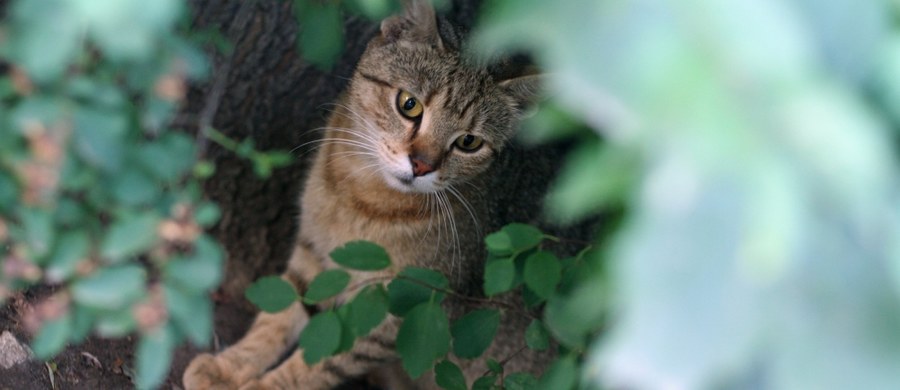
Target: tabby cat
<point x="416" y="158"/>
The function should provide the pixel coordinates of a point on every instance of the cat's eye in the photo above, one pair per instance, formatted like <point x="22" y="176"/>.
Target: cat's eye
<point x="408" y="105"/>
<point x="468" y="142"/>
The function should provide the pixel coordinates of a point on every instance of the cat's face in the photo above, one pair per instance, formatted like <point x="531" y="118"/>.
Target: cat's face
<point x="426" y="120"/>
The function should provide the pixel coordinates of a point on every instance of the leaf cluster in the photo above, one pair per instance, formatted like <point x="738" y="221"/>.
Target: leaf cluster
<point x="426" y="335"/>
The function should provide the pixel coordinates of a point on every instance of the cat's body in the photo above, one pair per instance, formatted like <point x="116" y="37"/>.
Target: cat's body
<point x="414" y="160"/>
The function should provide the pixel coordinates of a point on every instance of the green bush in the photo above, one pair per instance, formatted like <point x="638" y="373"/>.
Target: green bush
<point x="752" y="143"/>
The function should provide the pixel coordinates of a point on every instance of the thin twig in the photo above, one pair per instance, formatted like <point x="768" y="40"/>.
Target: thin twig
<point x="485" y="301"/>
<point x="204" y="120"/>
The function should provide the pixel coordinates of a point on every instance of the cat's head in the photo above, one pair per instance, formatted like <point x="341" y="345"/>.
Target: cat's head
<point x="430" y="119"/>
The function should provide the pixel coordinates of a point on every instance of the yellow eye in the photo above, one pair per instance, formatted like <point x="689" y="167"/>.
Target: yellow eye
<point x="408" y="105"/>
<point x="468" y="142"/>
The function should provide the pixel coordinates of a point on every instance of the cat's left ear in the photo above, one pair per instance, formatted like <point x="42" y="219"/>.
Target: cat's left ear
<point x="525" y="92"/>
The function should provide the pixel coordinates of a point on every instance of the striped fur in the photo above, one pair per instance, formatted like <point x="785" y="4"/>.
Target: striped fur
<point x="437" y="222"/>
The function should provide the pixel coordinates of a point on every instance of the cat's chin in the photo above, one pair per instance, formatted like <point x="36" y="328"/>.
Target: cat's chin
<point x="413" y="186"/>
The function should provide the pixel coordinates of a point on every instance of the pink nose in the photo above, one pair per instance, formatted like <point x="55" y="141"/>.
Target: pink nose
<point x="420" y="167"/>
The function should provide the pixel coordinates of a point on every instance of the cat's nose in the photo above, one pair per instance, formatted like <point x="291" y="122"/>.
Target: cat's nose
<point x="420" y="167"/>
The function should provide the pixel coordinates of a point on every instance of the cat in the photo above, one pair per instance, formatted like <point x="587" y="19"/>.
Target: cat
<point x="417" y="157"/>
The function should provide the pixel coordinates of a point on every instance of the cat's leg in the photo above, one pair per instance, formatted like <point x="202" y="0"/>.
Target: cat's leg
<point x="368" y="353"/>
<point x="268" y="338"/>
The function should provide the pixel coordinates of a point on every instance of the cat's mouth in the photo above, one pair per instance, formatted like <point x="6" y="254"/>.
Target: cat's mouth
<point x="412" y="184"/>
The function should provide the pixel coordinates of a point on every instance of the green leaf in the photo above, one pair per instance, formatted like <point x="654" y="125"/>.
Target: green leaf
<point x="531" y="298"/>
<point x="348" y="338"/>
<point x="474" y="332"/>
<point x="536" y="337"/>
<point x="499" y="244"/>
<point x="367" y="310"/>
<point x="110" y="288"/>
<point x="52" y="337"/>
<point x="570" y="318"/>
<point x="326" y="285"/>
<point x="561" y="375"/>
<point x="39" y="230"/>
<point x="519" y="381"/>
<point x="153" y="357"/>
<point x="485" y="383"/>
<point x="115" y="323"/>
<point x="361" y="255"/>
<point x="523" y="237"/>
<point x="449" y="377"/>
<point x="168" y="158"/>
<point x="45" y="37"/>
<point x="321" y="337"/>
<point x="322" y="32"/>
<point x="71" y="248"/>
<point x="494" y="366"/>
<point x="413" y="286"/>
<point x="9" y="190"/>
<point x="128" y="236"/>
<point x="374" y="9"/>
<point x="542" y="273"/>
<point x="200" y="271"/>
<point x="133" y="188"/>
<point x="594" y="176"/>
<point x="271" y="294"/>
<point x="499" y="276"/>
<point x="191" y="312"/>
<point x="207" y="214"/>
<point x="82" y="322"/>
<point x="423" y="337"/>
<point x="100" y="137"/>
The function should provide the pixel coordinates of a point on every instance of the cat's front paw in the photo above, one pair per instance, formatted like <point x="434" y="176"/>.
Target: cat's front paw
<point x="208" y="372"/>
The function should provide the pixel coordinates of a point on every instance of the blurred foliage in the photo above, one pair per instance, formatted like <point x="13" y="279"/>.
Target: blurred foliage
<point x="754" y="144"/>
<point x="101" y="198"/>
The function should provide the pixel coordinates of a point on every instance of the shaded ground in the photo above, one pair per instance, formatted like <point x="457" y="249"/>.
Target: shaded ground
<point x="100" y="364"/>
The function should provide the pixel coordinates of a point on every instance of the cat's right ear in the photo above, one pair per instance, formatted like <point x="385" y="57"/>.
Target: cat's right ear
<point x="525" y="92"/>
<point x="417" y="23"/>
